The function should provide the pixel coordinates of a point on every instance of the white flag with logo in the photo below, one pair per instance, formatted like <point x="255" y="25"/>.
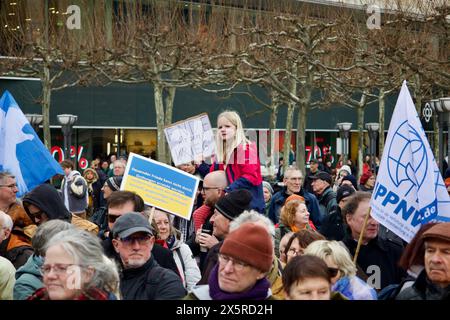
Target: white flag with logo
<point x="409" y="190"/>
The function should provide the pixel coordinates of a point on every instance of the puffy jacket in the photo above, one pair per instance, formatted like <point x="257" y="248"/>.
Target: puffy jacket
<point x="243" y="171"/>
<point x="186" y="263"/>
<point x="28" y="278"/>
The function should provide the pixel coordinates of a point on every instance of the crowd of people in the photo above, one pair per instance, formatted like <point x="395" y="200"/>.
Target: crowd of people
<point x="247" y="238"/>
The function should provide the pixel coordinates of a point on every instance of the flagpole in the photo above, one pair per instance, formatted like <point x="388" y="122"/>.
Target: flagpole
<point x="358" y="247"/>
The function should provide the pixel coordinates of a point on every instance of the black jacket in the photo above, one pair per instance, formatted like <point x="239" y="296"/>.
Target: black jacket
<point x="163" y="256"/>
<point x="378" y="253"/>
<point x="49" y="200"/>
<point x="333" y="227"/>
<point x="424" y="289"/>
<point x="210" y="262"/>
<point x="151" y="282"/>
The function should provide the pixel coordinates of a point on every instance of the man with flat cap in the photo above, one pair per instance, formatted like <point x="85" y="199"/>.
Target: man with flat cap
<point x="142" y="278"/>
<point x="321" y="184"/>
<point x="433" y="283"/>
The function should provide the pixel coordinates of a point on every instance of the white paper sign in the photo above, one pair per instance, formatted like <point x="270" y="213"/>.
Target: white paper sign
<point x="190" y="139"/>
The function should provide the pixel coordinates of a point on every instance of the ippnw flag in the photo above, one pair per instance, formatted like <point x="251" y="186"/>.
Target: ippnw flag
<point x="21" y="151"/>
<point x="409" y="190"/>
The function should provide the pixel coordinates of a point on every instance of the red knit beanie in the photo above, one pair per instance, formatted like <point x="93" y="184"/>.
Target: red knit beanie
<point x="366" y="175"/>
<point x="250" y="243"/>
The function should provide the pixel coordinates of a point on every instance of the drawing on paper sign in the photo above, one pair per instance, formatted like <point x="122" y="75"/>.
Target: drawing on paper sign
<point x="190" y="139"/>
<point x="402" y="169"/>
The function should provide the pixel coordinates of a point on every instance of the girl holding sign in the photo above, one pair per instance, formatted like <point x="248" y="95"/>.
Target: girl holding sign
<point x="238" y="157"/>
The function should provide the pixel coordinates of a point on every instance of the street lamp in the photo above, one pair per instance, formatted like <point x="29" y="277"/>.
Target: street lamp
<point x="344" y="129"/>
<point x="442" y="108"/>
<point x="35" y="120"/>
<point x="372" y="128"/>
<point x="67" y="121"/>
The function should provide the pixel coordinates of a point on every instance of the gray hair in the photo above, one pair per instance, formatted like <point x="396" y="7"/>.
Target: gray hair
<point x="5" y="175"/>
<point x="253" y="216"/>
<point x="6" y="220"/>
<point x="87" y="250"/>
<point x="45" y="232"/>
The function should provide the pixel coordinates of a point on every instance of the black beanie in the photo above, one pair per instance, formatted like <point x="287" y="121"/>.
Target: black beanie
<point x="114" y="183"/>
<point x="234" y="203"/>
<point x="343" y="192"/>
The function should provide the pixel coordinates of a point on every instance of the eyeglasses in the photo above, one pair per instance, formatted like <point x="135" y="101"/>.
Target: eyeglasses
<point x="58" y="268"/>
<point x="333" y="271"/>
<point x="237" y="264"/>
<point x="112" y="217"/>
<point x="11" y="186"/>
<point x="142" y="240"/>
<point x="295" y="252"/>
<point x="209" y="188"/>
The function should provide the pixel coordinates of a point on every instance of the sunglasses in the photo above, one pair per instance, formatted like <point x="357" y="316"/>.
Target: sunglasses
<point x="112" y="218"/>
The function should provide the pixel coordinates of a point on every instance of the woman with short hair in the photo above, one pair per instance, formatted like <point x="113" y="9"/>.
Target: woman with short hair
<point x="345" y="281"/>
<point x="75" y="268"/>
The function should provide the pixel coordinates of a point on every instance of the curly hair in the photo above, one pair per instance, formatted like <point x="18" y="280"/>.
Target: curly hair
<point x="287" y="215"/>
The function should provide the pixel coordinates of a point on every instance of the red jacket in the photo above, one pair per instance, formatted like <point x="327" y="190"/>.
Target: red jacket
<point x="243" y="171"/>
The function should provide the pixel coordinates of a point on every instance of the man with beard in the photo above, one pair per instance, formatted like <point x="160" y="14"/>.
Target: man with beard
<point x="142" y="278"/>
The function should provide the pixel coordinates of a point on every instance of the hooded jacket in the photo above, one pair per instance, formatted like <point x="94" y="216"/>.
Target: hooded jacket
<point x="47" y="198"/>
<point x="28" y="278"/>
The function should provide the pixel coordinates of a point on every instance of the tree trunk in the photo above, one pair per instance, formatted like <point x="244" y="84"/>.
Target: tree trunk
<point x="361" y="109"/>
<point x="382" y="107"/>
<point x="289" y="120"/>
<point x="169" y="99"/>
<point x="418" y="93"/>
<point x="301" y="129"/>
<point x="159" y="109"/>
<point x="287" y="135"/>
<point x="274" y="155"/>
<point x="46" y="99"/>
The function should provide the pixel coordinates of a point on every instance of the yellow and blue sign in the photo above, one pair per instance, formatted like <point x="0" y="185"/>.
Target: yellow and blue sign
<point x="160" y="185"/>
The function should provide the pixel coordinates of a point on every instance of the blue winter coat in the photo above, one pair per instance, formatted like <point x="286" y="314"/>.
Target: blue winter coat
<point x="28" y="278"/>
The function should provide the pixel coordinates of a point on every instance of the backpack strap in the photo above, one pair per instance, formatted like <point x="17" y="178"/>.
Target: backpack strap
<point x="182" y="262"/>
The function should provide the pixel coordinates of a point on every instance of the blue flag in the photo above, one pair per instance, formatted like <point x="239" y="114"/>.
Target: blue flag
<point x="21" y="151"/>
<point x="409" y="190"/>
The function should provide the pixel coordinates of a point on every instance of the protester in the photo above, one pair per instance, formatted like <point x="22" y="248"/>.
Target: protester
<point x="375" y="251"/>
<point x="345" y="281"/>
<point x="142" y="278"/>
<point x="244" y="260"/>
<point x="367" y="181"/>
<point x="310" y="173"/>
<point x="120" y="203"/>
<point x="282" y="249"/>
<point x="308" y="278"/>
<point x="75" y="268"/>
<point x="182" y="254"/>
<point x="299" y="241"/>
<point x="44" y="203"/>
<point x="238" y="157"/>
<point x="14" y="246"/>
<point x="268" y="193"/>
<point x="293" y="185"/>
<point x="226" y="210"/>
<point x="350" y="180"/>
<point x="321" y="185"/>
<point x="119" y="168"/>
<point x="7" y="279"/>
<point x="294" y="217"/>
<point x="74" y="190"/>
<point x="343" y="172"/>
<point x="274" y="275"/>
<point x="94" y="186"/>
<point x="333" y="225"/>
<point x="100" y="217"/>
<point x="29" y="276"/>
<point x="433" y="283"/>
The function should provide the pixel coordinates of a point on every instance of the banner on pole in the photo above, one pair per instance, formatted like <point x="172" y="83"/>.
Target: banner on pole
<point x="409" y="190"/>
